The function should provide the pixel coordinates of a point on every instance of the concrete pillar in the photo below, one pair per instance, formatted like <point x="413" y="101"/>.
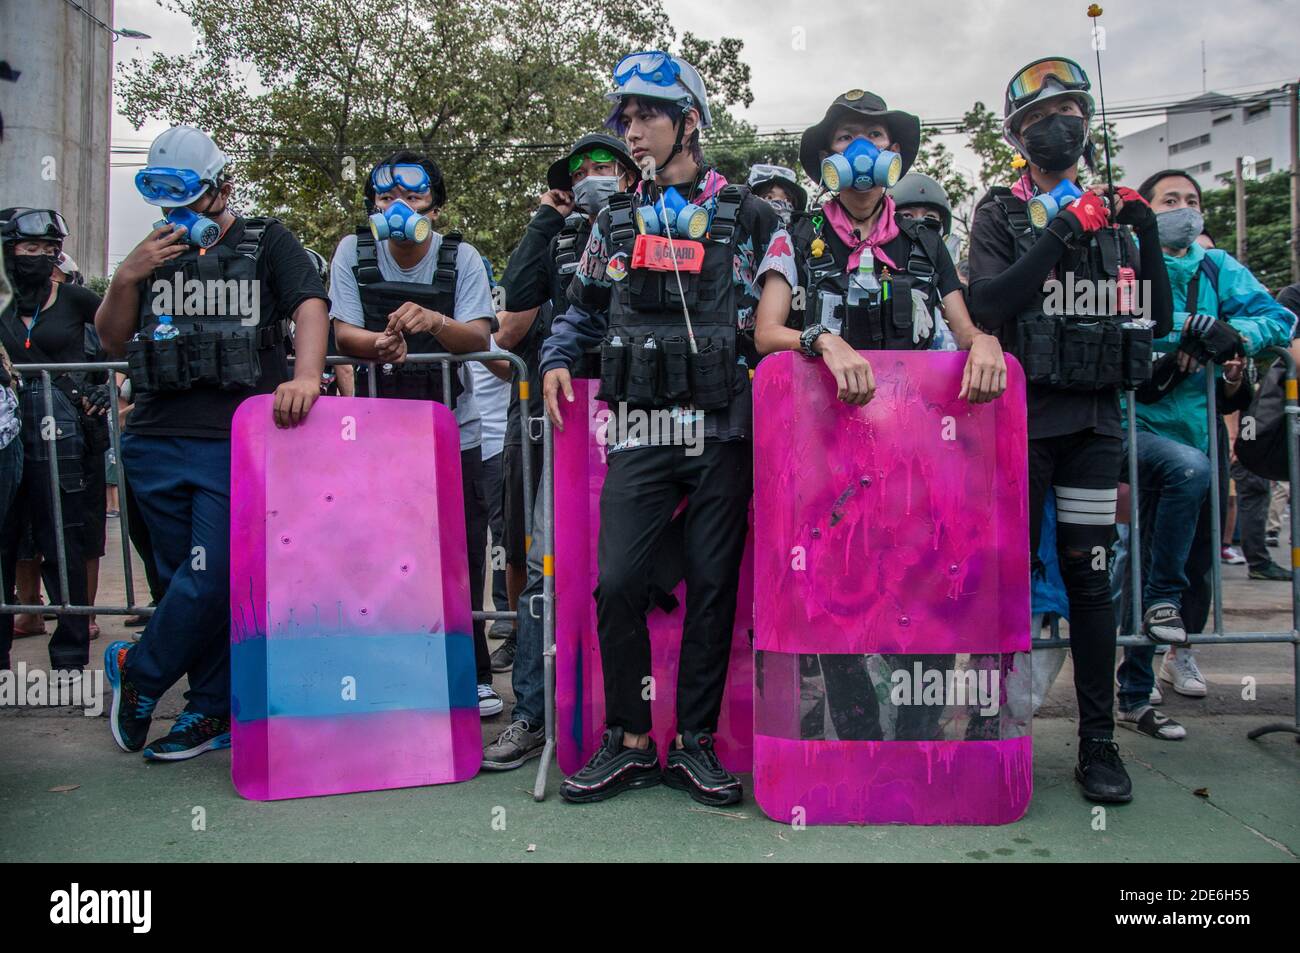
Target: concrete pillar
<point x="55" y="152"/>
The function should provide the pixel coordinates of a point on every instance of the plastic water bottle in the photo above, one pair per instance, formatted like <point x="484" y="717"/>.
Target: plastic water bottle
<point x="165" y="330"/>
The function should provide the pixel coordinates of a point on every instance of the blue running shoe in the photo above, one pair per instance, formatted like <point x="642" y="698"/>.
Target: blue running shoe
<point x="132" y="711"/>
<point x="193" y="734"/>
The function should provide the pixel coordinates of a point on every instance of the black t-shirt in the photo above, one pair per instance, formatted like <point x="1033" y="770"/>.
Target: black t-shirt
<point x="898" y="249"/>
<point x="58" y="335"/>
<point x="289" y="277"/>
<point x="1051" y="412"/>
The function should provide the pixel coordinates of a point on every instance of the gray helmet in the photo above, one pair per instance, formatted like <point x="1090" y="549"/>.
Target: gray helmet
<point x="763" y="175"/>
<point x="321" y="265"/>
<point x="917" y="188"/>
<point x="653" y="74"/>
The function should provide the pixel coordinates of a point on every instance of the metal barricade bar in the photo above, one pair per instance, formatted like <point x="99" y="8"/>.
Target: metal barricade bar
<point x="1217" y="636"/>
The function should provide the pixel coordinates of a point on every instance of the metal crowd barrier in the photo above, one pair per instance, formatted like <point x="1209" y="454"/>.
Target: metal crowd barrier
<point x="47" y="372"/>
<point x="1217" y="636"/>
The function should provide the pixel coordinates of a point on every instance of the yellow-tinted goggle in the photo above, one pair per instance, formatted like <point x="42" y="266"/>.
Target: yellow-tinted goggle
<point x="1029" y="82"/>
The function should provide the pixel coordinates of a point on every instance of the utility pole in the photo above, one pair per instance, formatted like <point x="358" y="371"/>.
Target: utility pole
<point x="1241" y="213"/>
<point x="1294" y="93"/>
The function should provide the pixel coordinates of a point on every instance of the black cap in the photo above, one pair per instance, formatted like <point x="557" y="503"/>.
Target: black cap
<point x="904" y="129"/>
<point x="558" y="175"/>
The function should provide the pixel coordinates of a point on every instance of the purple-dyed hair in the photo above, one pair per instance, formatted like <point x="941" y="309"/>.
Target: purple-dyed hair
<point x="614" y="122"/>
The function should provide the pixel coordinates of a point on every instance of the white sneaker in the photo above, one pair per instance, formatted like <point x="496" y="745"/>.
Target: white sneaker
<point x="1156" y="697"/>
<point x="1181" y="671"/>
<point x="489" y="702"/>
<point x="1233" y="556"/>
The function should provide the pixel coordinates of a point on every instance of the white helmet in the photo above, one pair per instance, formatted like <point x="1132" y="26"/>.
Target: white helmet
<point x="180" y="148"/>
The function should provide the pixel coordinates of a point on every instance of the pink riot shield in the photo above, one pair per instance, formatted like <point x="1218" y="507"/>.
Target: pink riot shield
<point x="891" y="597"/>
<point x="352" y="654"/>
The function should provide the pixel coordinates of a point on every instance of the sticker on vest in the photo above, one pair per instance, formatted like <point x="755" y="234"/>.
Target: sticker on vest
<point x="616" y="270"/>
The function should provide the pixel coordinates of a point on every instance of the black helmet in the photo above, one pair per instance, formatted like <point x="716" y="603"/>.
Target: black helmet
<point x="917" y="188"/>
<point x="904" y="129"/>
<point x="317" y="259"/>
<point x="558" y="175"/>
<point x="41" y="224"/>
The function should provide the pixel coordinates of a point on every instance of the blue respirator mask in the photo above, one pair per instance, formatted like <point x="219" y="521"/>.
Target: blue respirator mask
<point x="1043" y="208"/>
<point x="401" y="222"/>
<point x="200" y="231"/>
<point x="861" y="167"/>
<point x="673" y="215"/>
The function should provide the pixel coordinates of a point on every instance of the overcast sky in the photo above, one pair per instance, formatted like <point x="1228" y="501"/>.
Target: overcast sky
<point x="929" y="57"/>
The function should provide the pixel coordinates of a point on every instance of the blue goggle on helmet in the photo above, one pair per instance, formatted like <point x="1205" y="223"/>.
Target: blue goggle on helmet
<point x="653" y="66"/>
<point x="161" y="185"/>
<point x="409" y="175"/>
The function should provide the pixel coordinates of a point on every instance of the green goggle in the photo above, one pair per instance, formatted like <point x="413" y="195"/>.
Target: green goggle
<point x="597" y="156"/>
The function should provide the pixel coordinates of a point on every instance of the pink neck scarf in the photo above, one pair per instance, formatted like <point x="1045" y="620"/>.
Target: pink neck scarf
<point x="885" y="230"/>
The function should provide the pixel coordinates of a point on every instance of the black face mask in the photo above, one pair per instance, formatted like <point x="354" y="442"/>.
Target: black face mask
<point x="30" y="276"/>
<point x="1055" y="143"/>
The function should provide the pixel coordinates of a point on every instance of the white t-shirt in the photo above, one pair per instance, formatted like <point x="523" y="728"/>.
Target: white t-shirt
<point x="473" y="302"/>
<point x="492" y="395"/>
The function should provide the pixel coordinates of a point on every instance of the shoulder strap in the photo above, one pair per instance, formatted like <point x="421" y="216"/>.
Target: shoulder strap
<point x="1211" y="269"/>
<point x="1017" y="213"/>
<point x="566" y="247"/>
<point x="923" y="258"/>
<point x="723" y="227"/>
<point x="366" y="269"/>
<point x="250" y="243"/>
<point x="622" y="229"/>
<point x="444" y="275"/>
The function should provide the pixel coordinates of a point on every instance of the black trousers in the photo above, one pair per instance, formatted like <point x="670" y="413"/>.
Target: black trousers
<point x="476" y="521"/>
<point x="1253" y="496"/>
<point x="1083" y="468"/>
<point x="70" y="644"/>
<point x="642" y="489"/>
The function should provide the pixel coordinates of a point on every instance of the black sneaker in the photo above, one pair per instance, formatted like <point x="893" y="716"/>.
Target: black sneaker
<point x="695" y="769"/>
<point x="1270" y="571"/>
<point x="514" y="746"/>
<point x="501" y="629"/>
<point x="193" y="734"/>
<point x="1101" y="772"/>
<point x="131" y="713"/>
<point x="612" y="770"/>
<point x="1272" y="540"/>
<point x="503" y="659"/>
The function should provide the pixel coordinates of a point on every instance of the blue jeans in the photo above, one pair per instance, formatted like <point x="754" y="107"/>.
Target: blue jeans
<point x="1174" y="480"/>
<point x="527" y="678"/>
<point x="1173" y="484"/>
<point x="182" y="485"/>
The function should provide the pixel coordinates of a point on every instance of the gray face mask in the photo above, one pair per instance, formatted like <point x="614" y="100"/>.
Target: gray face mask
<point x="1179" y="228"/>
<point x="593" y="191"/>
<point x="784" y="209"/>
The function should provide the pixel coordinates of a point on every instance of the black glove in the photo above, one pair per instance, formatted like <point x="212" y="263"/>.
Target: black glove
<point x="1208" y="339"/>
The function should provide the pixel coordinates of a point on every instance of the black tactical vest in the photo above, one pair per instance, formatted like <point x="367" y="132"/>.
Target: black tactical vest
<point x="225" y="332"/>
<point x="1091" y="349"/>
<point x="883" y="321"/>
<point x="380" y="298"/>
<point x="646" y="359"/>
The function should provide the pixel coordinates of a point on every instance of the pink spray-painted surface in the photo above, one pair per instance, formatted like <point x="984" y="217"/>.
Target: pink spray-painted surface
<point x="891" y="542"/>
<point x="352" y="659"/>
<point x="579" y="692"/>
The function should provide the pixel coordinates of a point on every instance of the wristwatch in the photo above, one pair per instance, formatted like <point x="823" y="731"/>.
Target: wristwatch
<point x="809" y="337"/>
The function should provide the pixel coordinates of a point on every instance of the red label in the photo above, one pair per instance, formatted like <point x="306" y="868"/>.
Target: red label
<point x="653" y="252"/>
<point x="1125" y="286"/>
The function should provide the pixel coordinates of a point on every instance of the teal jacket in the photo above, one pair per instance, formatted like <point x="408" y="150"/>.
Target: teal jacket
<point x="1238" y="299"/>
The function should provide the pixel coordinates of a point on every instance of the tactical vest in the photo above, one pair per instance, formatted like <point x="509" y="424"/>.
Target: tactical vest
<point x="380" y="298"/>
<point x="224" y="345"/>
<point x="646" y="359"/>
<point x="1089" y="350"/>
<point x="883" y="321"/>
